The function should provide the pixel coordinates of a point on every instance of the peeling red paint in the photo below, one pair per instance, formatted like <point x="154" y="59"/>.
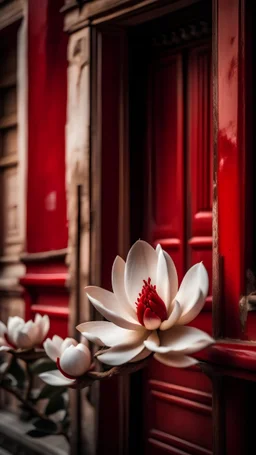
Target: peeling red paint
<point x="231" y="157"/>
<point x="232" y="68"/>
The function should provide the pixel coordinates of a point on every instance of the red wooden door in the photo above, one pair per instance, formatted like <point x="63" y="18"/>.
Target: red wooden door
<point x="178" y="402"/>
<point x="173" y="168"/>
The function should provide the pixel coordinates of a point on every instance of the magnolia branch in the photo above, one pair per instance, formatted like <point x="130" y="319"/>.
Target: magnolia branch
<point x="30" y="382"/>
<point x="92" y="376"/>
<point x="28" y="355"/>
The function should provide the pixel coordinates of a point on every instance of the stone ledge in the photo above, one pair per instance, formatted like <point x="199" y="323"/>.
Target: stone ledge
<point x="13" y="439"/>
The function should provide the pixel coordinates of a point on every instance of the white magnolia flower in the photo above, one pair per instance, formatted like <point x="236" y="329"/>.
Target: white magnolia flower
<point x="4" y="346"/>
<point x="24" y="335"/>
<point x="72" y="359"/>
<point x="147" y="310"/>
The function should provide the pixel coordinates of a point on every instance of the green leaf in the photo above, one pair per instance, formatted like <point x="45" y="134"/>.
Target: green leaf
<point x="37" y="434"/>
<point x="42" y="365"/>
<point x="56" y="403"/>
<point x="16" y="371"/>
<point x="49" y="391"/>
<point x="46" y="426"/>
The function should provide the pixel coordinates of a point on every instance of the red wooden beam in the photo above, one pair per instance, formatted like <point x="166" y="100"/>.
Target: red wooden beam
<point x="44" y="280"/>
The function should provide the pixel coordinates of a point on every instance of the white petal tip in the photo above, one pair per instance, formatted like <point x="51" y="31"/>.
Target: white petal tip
<point x="56" y="378"/>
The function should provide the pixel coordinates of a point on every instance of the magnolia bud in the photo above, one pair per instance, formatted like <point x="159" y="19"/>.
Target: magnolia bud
<point x="75" y="360"/>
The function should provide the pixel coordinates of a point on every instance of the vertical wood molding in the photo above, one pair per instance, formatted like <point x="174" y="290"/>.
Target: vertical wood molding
<point x="78" y="200"/>
<point x="22" y="103"/>
<point x="13" y="222"/>
<point x="77" y="167"/>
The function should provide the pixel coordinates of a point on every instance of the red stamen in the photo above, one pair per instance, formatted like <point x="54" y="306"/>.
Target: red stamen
<point x="149" y="298"/>
<point x="63" y="372"/>
<point x="7" y="339"/>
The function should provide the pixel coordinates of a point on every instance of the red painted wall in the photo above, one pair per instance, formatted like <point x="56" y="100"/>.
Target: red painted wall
<point x="47" y="70"/>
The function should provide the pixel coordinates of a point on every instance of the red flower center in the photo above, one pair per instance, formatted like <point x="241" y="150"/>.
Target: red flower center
<point x="149" y="304"/>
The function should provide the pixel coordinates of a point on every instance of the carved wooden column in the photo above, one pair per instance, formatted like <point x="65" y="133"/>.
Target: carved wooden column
<point x="13" y="155"/>
<point x="77" y="186"/>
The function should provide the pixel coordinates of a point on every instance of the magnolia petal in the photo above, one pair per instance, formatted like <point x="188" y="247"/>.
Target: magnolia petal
<point x="141" y="356"/>
<point x="140" y="265"/>
<point x="66" y="343"/>
<point x="32" y="330"/>
<point x="181" y="340"/>
<point x="151" y="320"/>
<point x="173" y="318"/>
<point x="57" y="340"/>
<point x="75" y="360"/>
<point x="195" y="280"/>
<point x="118" y="287"/>
<point x="14" y="324"/>
<point x="3" y="329"/>
<point x="152" y="342"/>
<point x="37" y="318"/>
<point x="52" y="349"/>
<point x="5" y="348"/>
<point x="121" y="354"/>
<point x="167" y="279"/>
<point x="3" y="341"/>
<point x="158" y="248"/>
<point x="45" y="326"/>
<point x="192" y="309"/>
<point x="56" y="378"/>
<point x="111" y="310"/>
<point x="176" y="361"/>
<point x="124" y="352"/>
<point x="22" y="340"/>
<point x="105" y="333"/>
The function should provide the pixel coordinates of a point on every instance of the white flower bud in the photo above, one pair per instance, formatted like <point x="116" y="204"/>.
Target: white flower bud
<point x="75" y="360"/>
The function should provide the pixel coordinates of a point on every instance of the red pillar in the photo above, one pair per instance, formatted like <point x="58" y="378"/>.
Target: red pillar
<point x="47" y="230"/>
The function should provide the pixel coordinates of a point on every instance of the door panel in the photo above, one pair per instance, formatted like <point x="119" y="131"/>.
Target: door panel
<point x="167" y="216"/>
<point x="199" y="168"/>
<point x="178" y="403"/>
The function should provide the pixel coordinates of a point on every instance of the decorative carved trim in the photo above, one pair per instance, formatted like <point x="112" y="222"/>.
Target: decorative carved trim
<point x="44" y="256"/>
<point x="183" y="35"/>
<point x="123" y="12"/>
<point x="72" y="4"/>
<point x="69" y="4"/>
<point x="9" y="260"/>
<point x="8" y="161"/>
<point x="10" y="288"/>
